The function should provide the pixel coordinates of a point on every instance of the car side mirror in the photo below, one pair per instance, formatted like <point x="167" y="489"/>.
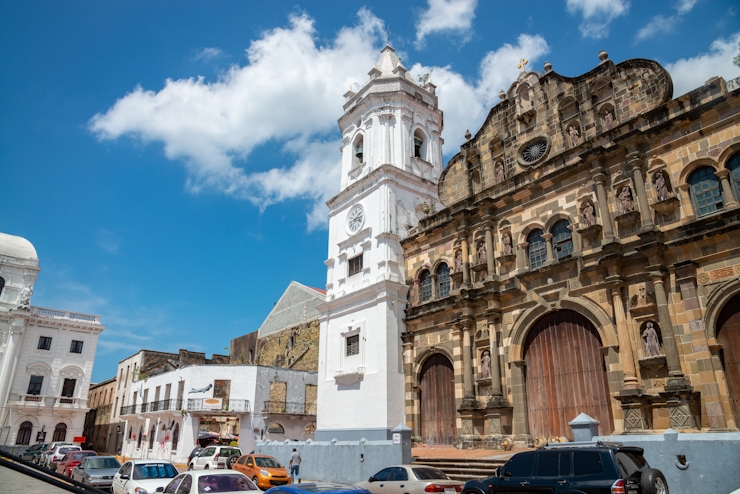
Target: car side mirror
<point x="371" y="479"/>
<point x="160" y="489"/>
<point x="506" y="473"/>
<point x="124" y="477"/>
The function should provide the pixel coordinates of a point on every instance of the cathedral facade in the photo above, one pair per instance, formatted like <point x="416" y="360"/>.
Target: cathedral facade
<point x="585" y="261"/>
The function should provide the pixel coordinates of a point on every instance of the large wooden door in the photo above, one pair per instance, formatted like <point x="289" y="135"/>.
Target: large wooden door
<point x="437" y="400"/>
<point x="565" y="375"/>
<point x="728" y="335"/>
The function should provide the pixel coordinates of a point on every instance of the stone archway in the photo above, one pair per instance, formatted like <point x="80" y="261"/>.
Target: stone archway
<point x="728" y="335"/>
<point x="565" y="375"/>
<point x="437" y="400"/>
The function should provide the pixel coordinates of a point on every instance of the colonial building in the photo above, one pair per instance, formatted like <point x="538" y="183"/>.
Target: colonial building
<point x="46" y="356"/>
<point x="97" y="429"/>
<point x="586" y="261"/>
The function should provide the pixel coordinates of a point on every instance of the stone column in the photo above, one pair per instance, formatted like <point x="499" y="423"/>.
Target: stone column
<point x="688" y="208"/>
<point x="468" y="385"/>
<point x="466" y="260"/>
<point x="521" y="256"/>
<point x="490" y="262"/>
<point x="676" y="379"/>
<point x="606" y="217"/>
<point x="634" y="162"/>
<point x="8" y="366"/>
<point x="435" y="293"/>
<point x="547" y="237"/>
<point x="625" y="342"/>
<point x="727" y="195"/>
<point x="387" y="139"/>
<point x="520" y="422"/>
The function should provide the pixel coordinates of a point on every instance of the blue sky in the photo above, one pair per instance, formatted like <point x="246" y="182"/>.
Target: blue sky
<point x="170" y="160"/>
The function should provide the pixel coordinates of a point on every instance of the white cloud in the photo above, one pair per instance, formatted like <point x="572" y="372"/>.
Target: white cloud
<point x="445" y="16"/>
<point x="208" y="53"/>
<point x="684" y="6"/>
<point x="290" y="90"/>
<point x="664" y="25"/>
<point x="690" y="73"/>
<point x="109" y="241"/>
<point x="597" y="15"/>
<point x="467" y="103"/>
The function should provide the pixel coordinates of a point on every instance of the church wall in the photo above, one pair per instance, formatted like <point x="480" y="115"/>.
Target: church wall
<point x="275" y="349"/>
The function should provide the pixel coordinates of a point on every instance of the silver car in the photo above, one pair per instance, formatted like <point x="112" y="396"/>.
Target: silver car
<point x="55" y="456"/>
<point x="97" y="471"/>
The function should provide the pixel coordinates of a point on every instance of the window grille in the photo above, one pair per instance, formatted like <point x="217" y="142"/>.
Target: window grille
<point x="425" y="280"/>
<point x="705" y="191"/>
<point x="76" y="347"/>
<point x="443" y="280"/>
<point x="537" y="249"/>
<point x="562" y="239"/>
<point x="355" y="265"/>
<point x="353" y="345"/>
<point x="44" y="343"/>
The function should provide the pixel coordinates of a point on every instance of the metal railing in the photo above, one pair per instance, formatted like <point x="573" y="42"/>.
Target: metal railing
<point x="192" y="405"/>
<point x="289" y="407"/>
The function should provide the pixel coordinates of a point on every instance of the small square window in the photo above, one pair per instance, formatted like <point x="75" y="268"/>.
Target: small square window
<point x="75" y="347"/>
<point x="353" y="345"/>
<point x="355" y="265"/>
<point x="44" y="343"/>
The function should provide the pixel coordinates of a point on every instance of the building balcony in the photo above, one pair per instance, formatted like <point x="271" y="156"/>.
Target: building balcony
<point x="64" y="403"/>
<point x="289" y="407"/>
<point x="62" y="314"/>
<point x="213" y="405"/>
<point x="36" y="401"/>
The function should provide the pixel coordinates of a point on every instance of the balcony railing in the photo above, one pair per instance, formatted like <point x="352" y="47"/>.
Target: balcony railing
<point x="193" y="405"/>
<point x="65" y="314"/>
<point x="32" y="400"/>
<point x="67" y="402"/>
<point x="289" y="407"/>
<point x="202" y="404"/>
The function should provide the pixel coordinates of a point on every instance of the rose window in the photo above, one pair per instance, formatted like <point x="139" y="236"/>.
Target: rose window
<point x="534" y="150"/>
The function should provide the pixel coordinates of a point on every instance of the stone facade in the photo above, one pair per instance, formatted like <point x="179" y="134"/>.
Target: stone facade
<point x="293" y="348"/>
<point x="596" y="197"/>
<point x="98" y="419"/>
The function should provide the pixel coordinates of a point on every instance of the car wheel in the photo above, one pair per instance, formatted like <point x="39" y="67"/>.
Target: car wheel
<point x="256" y="483"/>
<point x="652" y="481"/>
<point x="207" y="467"/>
<point x="190" y="466"/>
<point x="230" y="462"/>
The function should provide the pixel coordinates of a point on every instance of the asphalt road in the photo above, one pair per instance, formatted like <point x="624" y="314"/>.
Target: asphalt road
<point x="13" y="482"/>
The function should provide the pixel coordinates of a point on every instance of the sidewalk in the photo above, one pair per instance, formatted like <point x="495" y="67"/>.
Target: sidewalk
<point x="447" y="451"/>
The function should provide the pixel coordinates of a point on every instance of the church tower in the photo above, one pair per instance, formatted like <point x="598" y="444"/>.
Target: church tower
<point x="391" y="161"/>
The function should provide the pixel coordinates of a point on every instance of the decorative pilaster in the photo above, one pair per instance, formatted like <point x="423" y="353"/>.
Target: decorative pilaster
<point x="634" y="162"/>
<point x="468" y="384"/>
<point x="463" y="236"/>
<point x="490" y="246"/>
<point x="630" y="383"/>
<point x="727" y="195"/>
<point x="686" y="206"/>
<point x="606" y="217"/>
<point x="521" y="256"/>
<point x="520" y="421"/>
<point x="547" y="237"/>
<point x="677" y="379"/>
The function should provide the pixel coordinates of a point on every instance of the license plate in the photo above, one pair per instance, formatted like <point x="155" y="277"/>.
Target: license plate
<point x="449" y="490"/>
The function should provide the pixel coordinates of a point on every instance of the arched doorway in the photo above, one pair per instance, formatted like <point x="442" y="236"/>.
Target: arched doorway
<point x="728" y="335"/>
<point x="565" y="375"/>
<point x="437" y="400"/>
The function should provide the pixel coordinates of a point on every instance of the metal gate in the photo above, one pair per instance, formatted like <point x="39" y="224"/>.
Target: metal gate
<point x="728" y="335"/>
<point x="437" y="400"/>
<point x="565" y="375"/>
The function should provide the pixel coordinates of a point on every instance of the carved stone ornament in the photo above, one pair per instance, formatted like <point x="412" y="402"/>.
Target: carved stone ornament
<point x="24" y="302"/>
<point x="533" y="151"/>
<point x="575" y="135"/>
<point x="485" y="365"/>
<point x="588" y="213"/>
<point x="626" y="201"/>
<point x="506" y="242"/>
<point x="500" y="173"/>
<point x="650" y="340"/>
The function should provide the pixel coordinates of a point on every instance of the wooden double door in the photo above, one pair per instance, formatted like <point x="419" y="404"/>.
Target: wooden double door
<point x="728" y="335"/>
<point x="565" y="375"/>
<point x="437" y="400"/>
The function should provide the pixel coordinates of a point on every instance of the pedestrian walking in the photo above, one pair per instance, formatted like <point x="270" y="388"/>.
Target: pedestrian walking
<point x="295" y="463"/>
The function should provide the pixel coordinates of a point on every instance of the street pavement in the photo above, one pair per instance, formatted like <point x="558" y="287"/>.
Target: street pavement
<point x="12" y="482"/>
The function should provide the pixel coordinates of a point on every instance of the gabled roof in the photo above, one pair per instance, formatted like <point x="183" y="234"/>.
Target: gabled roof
<point x="296" y="305"/>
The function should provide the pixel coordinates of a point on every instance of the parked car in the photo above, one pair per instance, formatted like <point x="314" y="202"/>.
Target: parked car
<point x="44" y="458"/>
<point x="575" y="467"/>
<point x="265" y="471"/>
<point x="34" y="451"/>
<point x="97" y="471"/>
<point x="210" y="481"/>
<point x="143" y="476"/>
<point x="314" y="488"/>
<point x="54" y="456"/>
<point x="71" y="460"/>
<point x="214" y="457"/>
<point x="411" y="479"/>
<point x="195" y="452"/>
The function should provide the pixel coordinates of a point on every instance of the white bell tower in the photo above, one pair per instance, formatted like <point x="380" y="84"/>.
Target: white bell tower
<point x="391" y="161"/>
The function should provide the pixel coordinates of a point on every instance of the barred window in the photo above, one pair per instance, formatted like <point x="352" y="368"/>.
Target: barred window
<point x="705" y="191"/>
<point x="353" y="345"/>
<point x="44" y="343"/>
<point x="562" y="239"/>
<point x="75" y="347"/>
<point x="425" y="280"/>
<point x="355" y="265"/>
<point x="443" y="280"/>
<point x="537" y="249"/>
<point x="60" y="432"/>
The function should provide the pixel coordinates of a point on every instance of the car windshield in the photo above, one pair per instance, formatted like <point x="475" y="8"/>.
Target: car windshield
<point x="429" y="474"/>
<point x="233" y="482"/>
<point x="267" y="462"/>
<point x="100" y="463"/>
<point x="79" y="456"/>
<point x="67" y="450"/>
<point x="154" y="471"/>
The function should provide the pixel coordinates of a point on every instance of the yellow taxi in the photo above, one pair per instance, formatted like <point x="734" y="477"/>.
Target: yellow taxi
<point x="265" y="471"/>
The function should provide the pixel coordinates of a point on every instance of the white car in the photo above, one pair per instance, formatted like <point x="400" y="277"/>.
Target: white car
<point x="55" y="455"/>
<point x="214" y="457"/>
<point x="209" y="481"/>
<point x="143" y="476"/>
<point x="411" y="479"/>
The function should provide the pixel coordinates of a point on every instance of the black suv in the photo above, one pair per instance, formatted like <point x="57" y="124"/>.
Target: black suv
<point x="591" y="468"/>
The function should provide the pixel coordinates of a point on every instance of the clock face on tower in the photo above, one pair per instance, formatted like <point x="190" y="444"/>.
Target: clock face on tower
<point x="355" y="219"/>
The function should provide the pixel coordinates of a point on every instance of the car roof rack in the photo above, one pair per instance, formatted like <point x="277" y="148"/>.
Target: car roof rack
<point x="585" y="444"/>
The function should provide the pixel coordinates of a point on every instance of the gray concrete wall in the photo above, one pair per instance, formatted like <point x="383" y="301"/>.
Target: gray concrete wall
<point x="296" y="305"/>
<point x="712" y="459"/>
<point x="347" y="462"/>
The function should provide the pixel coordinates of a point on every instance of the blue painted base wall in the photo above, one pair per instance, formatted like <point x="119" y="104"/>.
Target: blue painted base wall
<point x="347" y="462"/>
<point x="713" y="459"/>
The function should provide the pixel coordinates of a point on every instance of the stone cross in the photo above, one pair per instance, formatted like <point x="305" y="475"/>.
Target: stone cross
<point x="522" y="64"/>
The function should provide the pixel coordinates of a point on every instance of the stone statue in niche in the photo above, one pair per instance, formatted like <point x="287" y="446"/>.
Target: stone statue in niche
<point x="506" y="240"/>
<point x="575" y="136"/>
<point x="24" y="303"/>
<point x="485" y="364"/>
<point x="650" y="338"/>
<point x="500" y="174"/>
<point x="661" y="186"/>
<point x="608" y="119"/>
<point x="458" y="262"/>
<point x="589" y="214"/>
<point x="482" y="253"/>
<point x="625" y="199"/>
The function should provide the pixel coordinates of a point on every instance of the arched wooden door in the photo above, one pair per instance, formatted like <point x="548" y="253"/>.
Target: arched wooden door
<point x="565" y="375"/>
<point x="437" y="400"/>
<point x="728" y="335"/>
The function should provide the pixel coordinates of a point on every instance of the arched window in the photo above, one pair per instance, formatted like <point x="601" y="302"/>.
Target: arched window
<point x="358" y="150"/>
<point x="705" y="191"/>
<point x="2" y="285"/>
<point x="733" y="164"/>
<point x="175" y="436"/>
<point x="152" y="433"/>
<point x="24" y="433"/>
<point x="562" y="239"/>
<point x="60" y="432"/>
<point x="425" y="281"/>
<point x="419" y="145"/>
<point x="443" y="280"/>
<point x="537" y="249"/>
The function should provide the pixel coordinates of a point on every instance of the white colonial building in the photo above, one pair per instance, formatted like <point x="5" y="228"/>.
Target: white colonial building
<point x="391" y="160"/>
<point x="166" y="413"/>
<point x="46" y="356"/>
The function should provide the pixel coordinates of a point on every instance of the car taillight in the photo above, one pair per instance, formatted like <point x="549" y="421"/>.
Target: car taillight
<point x="458" y="488"/>
<point x="441" y="488"/>
<point x="618" y="487"/>
<point x="216" y="457"/>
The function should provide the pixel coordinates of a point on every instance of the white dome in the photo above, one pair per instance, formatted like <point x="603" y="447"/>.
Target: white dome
<point x="13" y="246"/>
